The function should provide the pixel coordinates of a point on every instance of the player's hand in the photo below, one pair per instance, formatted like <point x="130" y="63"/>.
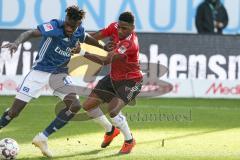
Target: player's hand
<point x="109" y="46"/>
<point x="11" y="46"/>
<point x="76" y="49"/>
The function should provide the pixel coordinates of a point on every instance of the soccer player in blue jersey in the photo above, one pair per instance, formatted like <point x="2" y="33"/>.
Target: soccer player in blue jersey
<point x="59" y="39"/>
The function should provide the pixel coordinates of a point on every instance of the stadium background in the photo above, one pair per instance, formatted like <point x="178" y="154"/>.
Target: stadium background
<point x="200" y="66"/>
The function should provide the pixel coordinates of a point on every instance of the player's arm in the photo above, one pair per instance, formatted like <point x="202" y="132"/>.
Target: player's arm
<point x="27" y="35"/>
<point x="118" y="53"/>
<point x="22" y="38"/>
<point x="97" y="35"/>
<point x="93" y="41"/>
<point x="103" y="60"/>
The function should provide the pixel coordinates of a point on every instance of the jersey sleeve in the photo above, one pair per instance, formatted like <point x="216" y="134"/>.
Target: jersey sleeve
<point x="107" y="32"/>
<point x="48" y="29"/>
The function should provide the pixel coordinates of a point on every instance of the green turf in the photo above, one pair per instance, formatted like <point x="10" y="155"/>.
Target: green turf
<point x="165" y="129"/>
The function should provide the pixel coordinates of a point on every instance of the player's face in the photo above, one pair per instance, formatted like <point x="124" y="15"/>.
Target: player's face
<point x="70" y="26"/>
<point x="124" y="29"/>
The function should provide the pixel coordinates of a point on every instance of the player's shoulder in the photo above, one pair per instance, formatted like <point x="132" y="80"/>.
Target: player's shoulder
<point x="130" y="43"/>
<point x="80" y="31"/>
<point x="57" y="23"/>
<point x="52" y="24"/>
<point x="113" y="25"/>
<point x="132" y="38"/>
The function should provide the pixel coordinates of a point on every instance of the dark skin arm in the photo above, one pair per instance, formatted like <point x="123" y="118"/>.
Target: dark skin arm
<point x="91" y="40"/>
<point x="102" y="60"/>
<point x="22" y="38"/>
<point x="97" y="35"/>
<point x="110" y="58"/>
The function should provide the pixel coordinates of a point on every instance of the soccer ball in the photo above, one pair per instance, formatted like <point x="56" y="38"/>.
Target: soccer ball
<point x="8" y="148"/>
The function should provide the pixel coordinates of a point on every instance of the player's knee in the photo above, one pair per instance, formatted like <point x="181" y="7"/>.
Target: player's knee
<point x="75" y="108"/>
<point x="91" y="103"/>
<point x="113" y="113"/>
<point x="75" y="105"/>
<point x="71" y="99"/>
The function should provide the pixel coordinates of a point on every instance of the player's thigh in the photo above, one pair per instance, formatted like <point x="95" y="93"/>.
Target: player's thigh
<point x="127" y="90"/>
<point x="92" y="102"/>
<point x="63" y="86"/>
<point x="32" y="85"/>
<point x="104" y="89"/>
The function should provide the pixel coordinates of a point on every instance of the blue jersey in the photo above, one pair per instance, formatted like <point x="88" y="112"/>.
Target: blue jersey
<point x="54" y="51"/>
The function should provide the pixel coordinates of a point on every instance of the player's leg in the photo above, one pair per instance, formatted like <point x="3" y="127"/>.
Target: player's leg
<point x="63" y="88"/>
<point x="103" y="92"/>
<point x="26" y="91"/>
<point x="120" y="121"/>
<point x="11" y="113"/>
<point x="72" y="106"/>
<point x="91" y="106"/>
<point x="63" y="117"/>
<point x="126" y="91"/>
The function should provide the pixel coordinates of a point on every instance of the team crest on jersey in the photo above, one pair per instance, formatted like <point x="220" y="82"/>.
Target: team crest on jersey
<point x="26" y="89"/>
<point x="122" y="49"/>
<point x="47" y="27"/>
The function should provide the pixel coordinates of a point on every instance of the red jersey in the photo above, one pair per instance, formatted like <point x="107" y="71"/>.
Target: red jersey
<point x="127" y="67"/>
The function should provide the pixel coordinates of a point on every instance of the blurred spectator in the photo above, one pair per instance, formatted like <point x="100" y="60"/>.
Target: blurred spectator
<point x="211" y="17"/>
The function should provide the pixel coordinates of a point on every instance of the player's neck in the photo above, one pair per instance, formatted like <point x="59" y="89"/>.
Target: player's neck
<point x="124" y="37"/>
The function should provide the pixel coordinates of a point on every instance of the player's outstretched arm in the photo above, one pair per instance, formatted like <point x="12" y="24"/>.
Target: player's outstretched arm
<point x="96" y="58"/>
<point x="102" y="60"/>
<point x="93" y="40"/>
<point x="22" y="38"/>
<point x="111" y="56"/>
<point x="97" y="35"/>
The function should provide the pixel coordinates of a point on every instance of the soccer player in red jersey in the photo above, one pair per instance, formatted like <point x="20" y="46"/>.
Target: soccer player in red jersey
<point x="123" y="83"/>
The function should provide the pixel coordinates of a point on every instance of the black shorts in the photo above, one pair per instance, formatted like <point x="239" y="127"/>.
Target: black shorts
<point x="126" y="90"/>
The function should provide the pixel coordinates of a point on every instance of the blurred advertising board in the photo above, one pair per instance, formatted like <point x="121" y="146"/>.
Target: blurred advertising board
<point x="195" y="65"/>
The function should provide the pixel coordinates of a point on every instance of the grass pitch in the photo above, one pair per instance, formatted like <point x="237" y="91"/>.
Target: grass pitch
<point x="164" y="129"/>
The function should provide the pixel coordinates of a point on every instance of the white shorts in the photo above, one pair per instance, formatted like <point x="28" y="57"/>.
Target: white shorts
<point x="59" y="85"/>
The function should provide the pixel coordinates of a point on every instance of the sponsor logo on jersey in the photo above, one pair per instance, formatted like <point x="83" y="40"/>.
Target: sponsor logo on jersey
<point x="47" y="27"/>
<point x="122" y="49"/>
<point x="62" y="52"/>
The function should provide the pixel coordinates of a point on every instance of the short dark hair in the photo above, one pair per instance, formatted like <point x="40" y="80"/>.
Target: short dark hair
<point x="74" y="13"/>
<point x="127" y="17"/>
